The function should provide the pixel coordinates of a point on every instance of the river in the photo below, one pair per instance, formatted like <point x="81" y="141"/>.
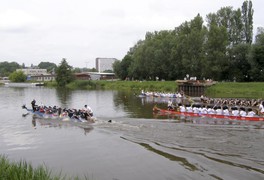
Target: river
<point x="135" y="145"/>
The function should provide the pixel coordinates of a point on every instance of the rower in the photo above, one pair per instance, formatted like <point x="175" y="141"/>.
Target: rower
<point x="242" y="112"/>
<point x="261" y="108"/>
<point x="226" y="111"/>
<point x="170" y="105"/>
<point x="87" y="111"/>
<point x="235" y="111"/>
<point x="33" y="103"/>
<point x="250" y="113"/>
<point x="182" y="108"/>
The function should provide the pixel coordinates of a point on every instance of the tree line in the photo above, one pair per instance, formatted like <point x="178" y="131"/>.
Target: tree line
<point x="221" y="49"/>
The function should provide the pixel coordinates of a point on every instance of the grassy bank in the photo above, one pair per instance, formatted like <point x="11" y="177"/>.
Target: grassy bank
<point x="167" y="86"/>
<point x="221" y="89"/>
<point x="23" y="170"/>
<point x="237" y="90"/>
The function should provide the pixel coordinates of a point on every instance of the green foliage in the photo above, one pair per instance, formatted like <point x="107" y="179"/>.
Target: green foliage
<point x="48" y="65"/>
<point x="64" y="74"/>
<point x="82" y="84"/>
<point x="166" y="86"/>
<point x="23" y="170"/>
<point x="247" y="17"/>
<point x="219" y="51"/>
<point x="17" y="76"/>
<point x="7" y="68"/>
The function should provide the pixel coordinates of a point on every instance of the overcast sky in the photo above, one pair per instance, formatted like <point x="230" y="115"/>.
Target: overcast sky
<point x="33" y="31"/>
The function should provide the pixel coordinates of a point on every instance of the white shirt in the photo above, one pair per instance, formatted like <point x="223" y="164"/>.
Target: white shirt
<point x="242" y="113"/>
<point x="219" y="111"/>
<point x="251" y="114"/>
<point x="261" y="108"/>
<point x="226" y="112"/>
<point x="182" y="109"/>
<point x="235" y="112"/>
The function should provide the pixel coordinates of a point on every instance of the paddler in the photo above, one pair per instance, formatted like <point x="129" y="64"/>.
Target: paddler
<point x="88" y="112"/>
<point x="33" y="103"/>
<point x="261" y="108"/>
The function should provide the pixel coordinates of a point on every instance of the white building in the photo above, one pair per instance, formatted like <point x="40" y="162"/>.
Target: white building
<point x="33" y="72"/>
<point x="103" y="64"/>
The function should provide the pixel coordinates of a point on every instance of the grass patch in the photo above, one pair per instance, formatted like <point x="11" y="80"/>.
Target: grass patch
<point x="167" y="86"/>
<point x="23" y="170"/>
<point x="236" y="90"/>
<point x="221" y="89"/>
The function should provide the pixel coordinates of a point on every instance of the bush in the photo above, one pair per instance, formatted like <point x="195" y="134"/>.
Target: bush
<point x="17" y="76"/>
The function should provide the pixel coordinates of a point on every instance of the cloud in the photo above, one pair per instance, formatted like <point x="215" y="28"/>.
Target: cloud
<point x="13" y="20"/>
<point x="82" y="30"/>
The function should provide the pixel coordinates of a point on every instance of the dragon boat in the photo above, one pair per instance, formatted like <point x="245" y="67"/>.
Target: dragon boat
<point x="64" y="116"/>
<point x="214" y="116"/>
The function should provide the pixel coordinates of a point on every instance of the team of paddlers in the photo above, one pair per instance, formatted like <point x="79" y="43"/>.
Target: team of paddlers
<point x="219" y="109"/>
<point x="85" y="113"/>
<point x="206" y="105"/>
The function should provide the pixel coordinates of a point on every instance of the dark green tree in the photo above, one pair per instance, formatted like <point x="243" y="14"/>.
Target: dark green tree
<point x="247" y="17"/>
<point x="17" y="76"/>
<point x="64" y="74"/>
<point x="7" y="68"/>
<point x="257" y="57"/>
<point x="216" y="49"/>
<point x="239" y="67"/>
<point x="48" y="65"/>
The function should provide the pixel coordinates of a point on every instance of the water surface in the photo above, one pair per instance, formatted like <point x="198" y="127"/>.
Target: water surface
<point x="136" y="145"/>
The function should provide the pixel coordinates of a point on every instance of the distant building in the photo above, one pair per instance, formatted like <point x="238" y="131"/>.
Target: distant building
<point x="95" y="76"/>
<point x="31" y="71"/>
<point x="82" y="76"/>
<point x="35" y="74"/>
<point x="103" y="64"/>
<point x="42" y="77"/>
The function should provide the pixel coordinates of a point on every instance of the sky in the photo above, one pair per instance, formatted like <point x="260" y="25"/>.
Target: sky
<point x="35" y="31"/>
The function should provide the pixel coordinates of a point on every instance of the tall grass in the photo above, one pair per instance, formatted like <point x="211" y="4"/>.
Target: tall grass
<point x="25" y="171"/>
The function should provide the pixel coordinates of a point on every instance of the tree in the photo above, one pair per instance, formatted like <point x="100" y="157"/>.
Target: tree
<point x="216" y="48"/>
<point x="7" y="68"/>
<point x="247" y="16"/>
<point x="47" y="65"/>
<point x="64" y="74"/>
<point x="257" y="57"/>
<point x="17" y="76"/>
<point x="121" y="67"/>
<point x="239" y="63"/>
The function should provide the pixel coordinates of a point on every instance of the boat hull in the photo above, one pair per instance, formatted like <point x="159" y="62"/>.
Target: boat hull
<point x="214" y="116"/>
<point x="61" y="117"/>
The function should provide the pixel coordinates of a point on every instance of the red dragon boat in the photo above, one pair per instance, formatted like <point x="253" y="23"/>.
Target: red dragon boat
<point x="191" y="114"/>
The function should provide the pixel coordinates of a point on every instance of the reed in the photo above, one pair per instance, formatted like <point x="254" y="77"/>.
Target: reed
<point x="23" y="170"/>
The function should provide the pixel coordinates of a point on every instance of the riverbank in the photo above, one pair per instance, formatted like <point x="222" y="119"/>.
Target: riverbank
<point x="137" y="86"/>
<point x="24" y="170"/>
<point x="237" y="90"/>
<point x="220" y="89"/>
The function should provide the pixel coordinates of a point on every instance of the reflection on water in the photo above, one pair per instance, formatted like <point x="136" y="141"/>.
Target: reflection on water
<point x="64" y="96"/>
<point x="55" y="123"/>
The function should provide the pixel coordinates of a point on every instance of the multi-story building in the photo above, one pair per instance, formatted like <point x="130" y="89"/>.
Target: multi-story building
<point x="35" y="74"/>
<point x="103" y="64"/>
